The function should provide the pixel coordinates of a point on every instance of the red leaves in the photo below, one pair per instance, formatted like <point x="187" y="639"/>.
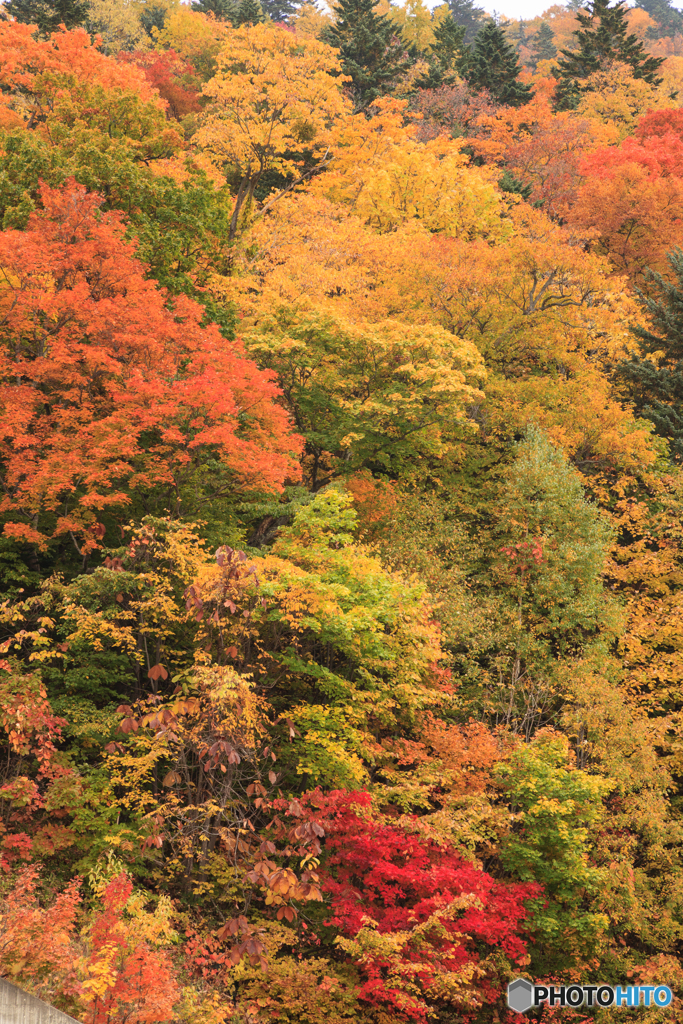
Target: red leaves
<point x="171" y="75"/>
<point x="525" y="555"/>
<point x="632" y="194"/>
<point x="157" y="672"/>
<point x="400" y="880"/>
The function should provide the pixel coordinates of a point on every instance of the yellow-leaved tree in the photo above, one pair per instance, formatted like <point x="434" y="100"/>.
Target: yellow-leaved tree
<point x="276" y="98"/>
<point x="387" y="177"/>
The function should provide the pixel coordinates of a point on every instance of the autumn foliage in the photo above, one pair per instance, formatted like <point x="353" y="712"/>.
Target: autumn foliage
<point x="107" y="388"/>
<point x="341" y="627"/>
<point x="412" y="910"/>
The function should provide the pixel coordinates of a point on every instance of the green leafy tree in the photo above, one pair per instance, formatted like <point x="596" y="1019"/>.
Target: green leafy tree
<point x="602" y="38"/>
<point x="48" y="15"/>
<point x="541" y="502"/>
<point x="655" y="385"/>
<point x="540" y="570"/>
<point x="466" y="14"/>
<point x="385" y="396"/>
<point x="372" y="50"/>
<point x="494" y="66"/>
<point x="556" y="808"/>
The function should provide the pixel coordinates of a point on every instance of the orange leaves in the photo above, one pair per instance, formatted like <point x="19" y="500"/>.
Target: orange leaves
<point x="133" y="395"/>
<point x="157" y="672"/>
<point x="66" y="82"/>
<point x="36" y="941"/>
<point x="632" y="195"/>
<point x="125" y="978"/>
<point x="542" y="148"/>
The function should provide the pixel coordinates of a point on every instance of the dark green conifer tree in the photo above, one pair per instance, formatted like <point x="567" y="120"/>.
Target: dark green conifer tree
<point x="494" y="66"/>
<point x="153" y="16"/>
<point x="248" y="12"/>
<point x="465" y="13"/>
<point x="669" y="20"/>
<point x="448" y="55"/>
<point x="543" y="45"/>
<point x="519" y="35"/>
<point x="515" y="186"/>
<point x="279" y="10"/>
<point x="48" y="15"/>
<point x="221" y="9"/>
<point x="373" y="52"/>
<point x="656" y="386"/>
<point x="603" y="37"/>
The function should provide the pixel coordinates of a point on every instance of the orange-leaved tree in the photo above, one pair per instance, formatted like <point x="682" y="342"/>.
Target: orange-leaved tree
<point x="107" y="388"/>
<point x="632" y="194"/>
<point x="67" y="91"/>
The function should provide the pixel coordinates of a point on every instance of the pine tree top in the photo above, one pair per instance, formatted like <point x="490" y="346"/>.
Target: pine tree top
<point x="466" y="14"/>
<point x="448" y="55"/>
<point x="372" y="50"/>
<point x="603" y="37"/>
<point x="665" y="308"/>
<point x="248" y="12"/>
<point x="48" y="15"/>
<point x="220" y="9"/>
<point x="494" y="66"/>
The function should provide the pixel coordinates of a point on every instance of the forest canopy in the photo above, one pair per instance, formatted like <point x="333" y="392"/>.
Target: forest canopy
<point x="341" y="465"/>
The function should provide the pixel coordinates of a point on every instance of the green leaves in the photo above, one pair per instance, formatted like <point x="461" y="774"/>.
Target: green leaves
<point x="387" y="396"/>
<point x="556" y="808"/>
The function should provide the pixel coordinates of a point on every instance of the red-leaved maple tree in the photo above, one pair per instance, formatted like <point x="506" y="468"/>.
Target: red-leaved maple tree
<point x="417" y="919"/>
<point x="171" y="75"/>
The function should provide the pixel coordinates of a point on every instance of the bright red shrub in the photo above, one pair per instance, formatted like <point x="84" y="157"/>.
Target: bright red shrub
<point x="447" y="914"/>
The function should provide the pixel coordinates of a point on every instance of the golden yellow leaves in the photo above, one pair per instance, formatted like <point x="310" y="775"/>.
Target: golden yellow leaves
<point x="272" y="93"/>
<point x="387" y="178"/>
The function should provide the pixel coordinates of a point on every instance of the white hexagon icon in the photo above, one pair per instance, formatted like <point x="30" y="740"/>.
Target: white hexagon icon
<point x="520" y="995"/>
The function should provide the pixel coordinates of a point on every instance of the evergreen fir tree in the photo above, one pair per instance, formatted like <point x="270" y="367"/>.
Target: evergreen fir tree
<point x="48" y="15"/>
<point x="448" y="55"/>
<point x="543" y="45"/>
<point x="465" y="13"/>
<point x="152" y="16"/>
<point x="567" y="94"/>
<point x="603" y="37"/>
<point x="494" y="66"/>
<point x="248" y="12"/>
<point x="669" y="20"/>
<point x="656" y="388"/>
<point x="279" y="10"/>
<point x="520" y="37"/>
<point x="221" y="9"/>
<point x="515" y="186"/>
<point x="373" y="52"/>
